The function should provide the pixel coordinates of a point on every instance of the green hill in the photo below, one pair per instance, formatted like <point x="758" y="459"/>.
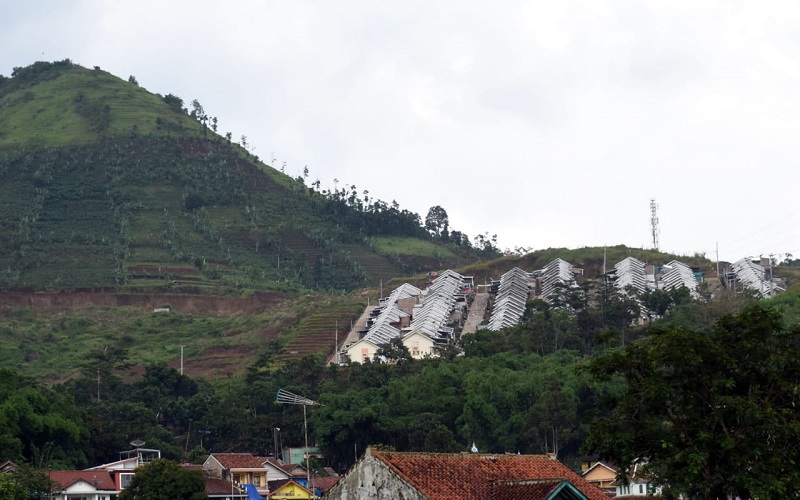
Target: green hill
<point x="108" y="186"/>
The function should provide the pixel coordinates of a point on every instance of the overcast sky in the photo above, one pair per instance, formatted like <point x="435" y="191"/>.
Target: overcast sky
<point x="548" y="123"/>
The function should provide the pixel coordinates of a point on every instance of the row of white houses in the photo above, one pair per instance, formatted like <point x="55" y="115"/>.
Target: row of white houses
<point x="421" y="319"/>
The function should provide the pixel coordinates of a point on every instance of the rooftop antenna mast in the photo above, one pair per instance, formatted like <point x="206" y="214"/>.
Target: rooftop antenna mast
<point x="287" y="397"/>
<point x="654" y="222"/>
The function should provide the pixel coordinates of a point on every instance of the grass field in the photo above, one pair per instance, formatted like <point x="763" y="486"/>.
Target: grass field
<point x="398" y="245"/>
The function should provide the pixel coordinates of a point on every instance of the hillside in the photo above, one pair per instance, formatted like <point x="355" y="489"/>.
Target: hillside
<point x="107" y="186"/>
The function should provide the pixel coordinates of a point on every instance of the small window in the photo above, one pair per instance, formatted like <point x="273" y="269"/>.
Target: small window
<point x="256" y="480"/>
<point x="125" y="480"/>
<point x="641" y="489"/>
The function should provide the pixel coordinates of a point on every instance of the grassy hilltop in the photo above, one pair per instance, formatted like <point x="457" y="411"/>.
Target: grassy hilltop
<point x="108" y="186"/>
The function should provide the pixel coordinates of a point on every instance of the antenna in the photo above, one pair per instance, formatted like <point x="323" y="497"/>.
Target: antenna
<point x="654" y="222"/>
<point x="287" y="397"/>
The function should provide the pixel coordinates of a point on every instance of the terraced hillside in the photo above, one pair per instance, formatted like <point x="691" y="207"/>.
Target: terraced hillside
<point x="108" y="186"/>
<point x="317" y="333"/>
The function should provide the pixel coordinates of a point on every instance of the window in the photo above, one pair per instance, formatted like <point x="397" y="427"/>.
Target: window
<point x="364" y="354"/>
<point x="641" y="489"/>
<point x="256" y="480"/>
<point x="125" y="480"/>
<point x="415" y="348"/>
<point x="237" y="478"/>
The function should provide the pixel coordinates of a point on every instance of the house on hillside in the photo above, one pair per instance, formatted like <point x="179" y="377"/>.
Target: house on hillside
<point x="438" y="476"/>
<point x="360" y="351"/>
<point x="419" y="344"/>
<point x="83" y="484"/>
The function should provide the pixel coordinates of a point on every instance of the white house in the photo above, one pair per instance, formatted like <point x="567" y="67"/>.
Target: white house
<point x="83" y="485"/>
<point x="362" y="350"/>
<point x="419" y="345"/>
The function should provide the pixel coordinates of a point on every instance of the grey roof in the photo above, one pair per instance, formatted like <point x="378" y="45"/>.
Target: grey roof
<point x="557" y="271"/>
<point x="381" y="331"/>
<point x="677" y="274"/>
<point x="512" y="296"/>
<point x="438" y="303"/>
<point x="754" y="277"/>
<point x="630" y="275"/>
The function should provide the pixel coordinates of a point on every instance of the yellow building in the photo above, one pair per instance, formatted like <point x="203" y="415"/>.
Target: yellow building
<point x="290" y="489"/>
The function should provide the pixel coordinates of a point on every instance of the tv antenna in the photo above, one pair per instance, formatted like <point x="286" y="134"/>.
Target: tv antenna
<point x="654" y="222"/>
<point x="287" y="397"/>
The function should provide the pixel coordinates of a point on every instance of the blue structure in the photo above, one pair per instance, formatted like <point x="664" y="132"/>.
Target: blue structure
<point x="252" y="494"/>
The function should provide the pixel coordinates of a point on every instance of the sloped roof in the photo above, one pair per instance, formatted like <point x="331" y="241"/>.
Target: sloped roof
<point x="100" y="479"/>
<point x="678" y="274"/>
<point x="444" y="476"/>
<point x="537" y="489"/>
<point x="7" y="466"/>
<point x="239" y="460"/>
<point x="276" y="486"/>
<point x="221" y="487"/>
<point x="324" y="483"/>
<point x="512" y="296"/>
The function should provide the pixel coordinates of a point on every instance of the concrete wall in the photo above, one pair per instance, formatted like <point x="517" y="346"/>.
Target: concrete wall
<point x="371" y="479"/>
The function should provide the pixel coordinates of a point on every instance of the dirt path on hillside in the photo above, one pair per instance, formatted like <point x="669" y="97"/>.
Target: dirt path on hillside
<point x="202" y="305"/>
<point x="477" y="311"/>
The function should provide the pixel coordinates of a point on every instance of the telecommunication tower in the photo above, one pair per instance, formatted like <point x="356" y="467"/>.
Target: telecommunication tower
<point x="654" y="222"/>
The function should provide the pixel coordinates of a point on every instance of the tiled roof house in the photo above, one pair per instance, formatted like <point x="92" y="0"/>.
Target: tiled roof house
<point x="86" y="484"/>
<point x="437" y="476"/>
<point x="244" y="468"/>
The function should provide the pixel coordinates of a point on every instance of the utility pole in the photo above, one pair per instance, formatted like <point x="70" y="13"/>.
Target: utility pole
<point x="336" y="345"/>
<point x="182" y="345"/>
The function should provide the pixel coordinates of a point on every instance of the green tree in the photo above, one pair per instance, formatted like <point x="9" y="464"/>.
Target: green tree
<point x="713" y="411"/>
<point x="174" y="102"/>
<point x="394" y="352"/>
<point x="25" y="483"/>
<point x="36" y="420"/>
<point x="164" y="479"/>
<point x="436" y="221"/>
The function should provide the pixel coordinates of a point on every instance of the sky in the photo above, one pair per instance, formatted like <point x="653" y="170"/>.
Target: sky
<point x="547" y="123"/>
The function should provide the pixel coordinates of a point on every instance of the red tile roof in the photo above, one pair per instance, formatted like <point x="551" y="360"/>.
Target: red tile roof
<point x="100" y="479"/>
<point x="525" y="490"/>
<point x="442" y="476"/>
<point x="239" y="460"/>
<point x="324" y="483"/>
<point x="220" y="487"/>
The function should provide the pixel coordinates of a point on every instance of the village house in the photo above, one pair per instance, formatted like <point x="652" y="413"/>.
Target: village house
<point x="383" y="475"/>
<point x="244" y="469"/>
<point x="600" y="474"/>
<point x="83" y="485"/>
